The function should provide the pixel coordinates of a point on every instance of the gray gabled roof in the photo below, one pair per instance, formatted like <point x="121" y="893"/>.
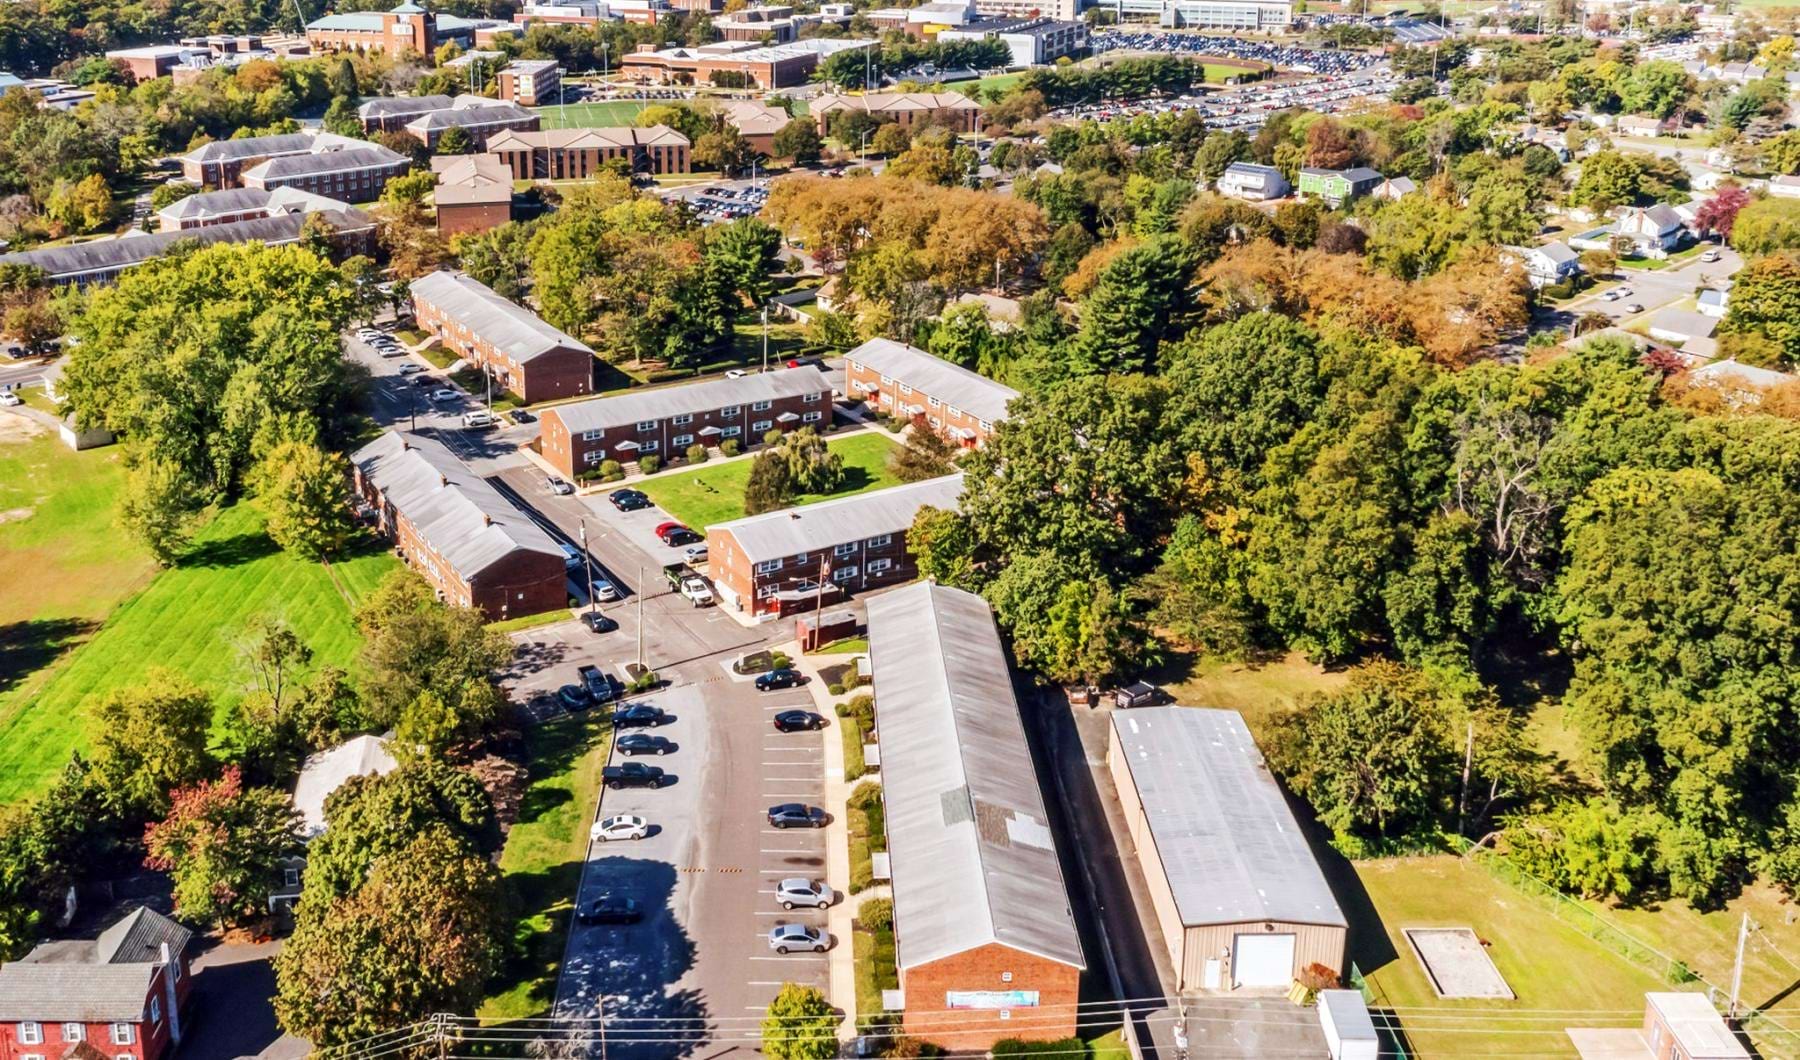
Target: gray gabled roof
<point x="640" y="406"/>
<point x="810" y="527"/>
<point x="1231" y="848"/>
<point x="950" y="383"/>
<point x="81" y="259"/>
<point x="402" y="106"/>
<point x="105" y="980"/>
<point x="969" y="843"/>
<point x="1361" y="174"/>
<point x="139" y="936"/>
<point x="461" y="516"/>
<point x="279" y="144"/>
<point x="470" y="117"/>
<point x="500" y="322"/>
<point x="284" y="167"/>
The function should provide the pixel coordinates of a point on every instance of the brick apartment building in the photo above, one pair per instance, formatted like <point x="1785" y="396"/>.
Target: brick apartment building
<point x="406" y="28"/>
<point x="756" y="122"/>
<point x="951" y="110"/>
<point x="122" y="995"/>
<point x="666" y="421"/>
<point x="239" y="204"/>
<point x="479" y="117"/>
<point x="594" y="12"/>
<point x="356" y="174"/>
<point x="525" y="355"/>
<point x="221" y="163"/>
<point x="984" y="938"/>
<point x="900" y="380"/>
<point x="474" y="193"/>
<point x="777" y="563"/>
<point x="391" y="113"/>
<point x="455" y="529"/>
<point x="152" y="61"/>
<point x="562" y="154"/>
<point x="102" y="260"/>
<point x="530" y="82"/>
<point x="765" y="66"/>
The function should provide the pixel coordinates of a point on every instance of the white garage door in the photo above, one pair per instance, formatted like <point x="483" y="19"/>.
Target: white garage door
<point x="1262" y="960"/>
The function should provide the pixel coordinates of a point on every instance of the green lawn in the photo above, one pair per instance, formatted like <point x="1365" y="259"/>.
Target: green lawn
<point x="188" y="619"/>
<point x="1258" y="691"/>
<point x="542" y="859"/>
<point x="706" y="494"/>
<point x="601" y="115"/>
<point x="847" y="646"/>
<point x="999" y="82"/>
<point x="1644" y="264"/>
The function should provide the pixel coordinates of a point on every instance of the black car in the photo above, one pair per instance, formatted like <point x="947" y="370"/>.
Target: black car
<point x="638" y="743"/>
<point x="796" y="815"/>
<point x="677" y="536"/>
<point x="633" y="775"/>
<point x="798" y="721"/>
<point x="598" y="622"/>
<point x="574" y="697"/>
<point x="782" y="678"/>
<point x="628" y="500"/>
<point x="607" y="909"/>
<point x="639" y="716"/>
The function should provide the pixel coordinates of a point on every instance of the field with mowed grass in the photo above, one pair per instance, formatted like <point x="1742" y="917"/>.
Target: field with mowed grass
<point x="600" y="115"/>
<point x="1259" y="691"/>
<point x="715" y="494"/>
<point x="189" y="619"/>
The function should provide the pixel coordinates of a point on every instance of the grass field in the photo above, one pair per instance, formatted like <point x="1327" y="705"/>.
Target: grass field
<point x="707" y="495"/>
<point x="999" y="83"/>
<point x="601" y="115"/>
<point x="1258" y="691"/>
<point x="188" y="619"/>
<point x="542" y="859"/>
<point x="1561" y="977"/>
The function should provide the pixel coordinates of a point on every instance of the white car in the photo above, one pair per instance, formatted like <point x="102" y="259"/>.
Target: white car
<point x="605" y="591"/>
<point x="622" y="826"/>
<point x="695" y="553"/>
<point x="478" y="419"/>
<point x="787" y="937"/>
<point x="411" y="368"/>
<point x="735" y="373"/>
<point x="1710" y="256"/>
<point x="799" y="890"/>
<point x="9" y="399"/>
<point x="444" y="393"/>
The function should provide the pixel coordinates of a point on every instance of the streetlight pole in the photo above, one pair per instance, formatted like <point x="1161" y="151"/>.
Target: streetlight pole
<point x="640" y="623"/>
<point x="865" y="147"/>
<point x="587" y="563"/>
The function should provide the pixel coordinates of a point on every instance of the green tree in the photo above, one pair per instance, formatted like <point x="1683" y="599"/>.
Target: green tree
<point x="1608" y="179"/>
<point x="1782" y="153"/>
<point x="1766" y="226"/>
<point x="427" y="726"/>
<point x="371" y="817"/>
<point x="342" y="80"/>
<point x="341" y="117"/>
<point x="454" y="141"/>
<point x="149" y="740"/>
<point x="800" y="1025"/>
<point x="157" y="507"/>
<point x="1241" y="389"/>
<point x="413" y="643"/>
<point x="408" y="190"/>
<point x="943" y="545"/>
<point x="1438" y="603"/>
<point x="744" y="255"/>
<point x="1067" y="627"/>
<point x="768" y="487"/>
<point x="1589" y="847"/>
<point x="1765" y="301"/>
<point x="1142" y="297"/>
<point x="723" y="149"/>
<point x="798" y="140"/>
<point x="890" y="138"/>
<point x="224" y="846"/>
<point x="172" y="192"/>
<point x="1655" y="88"/>
<point x="811" y="465"/>
<point x="305" y="492"/>
<point x="923" y="455"/>
<point x="81" y="205"/>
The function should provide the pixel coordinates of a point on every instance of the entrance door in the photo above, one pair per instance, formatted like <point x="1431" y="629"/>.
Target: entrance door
<point x="1209" y="978"/>
<point x="1262" y="961"/>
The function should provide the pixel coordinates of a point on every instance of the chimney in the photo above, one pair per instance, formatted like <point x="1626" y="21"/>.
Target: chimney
<point x="171" y="999"/>
<point x="443" y="479"/>
<point x="486" y="519"/>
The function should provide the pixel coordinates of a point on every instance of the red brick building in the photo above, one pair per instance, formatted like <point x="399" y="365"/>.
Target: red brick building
<point x="230" y="205"/>
<point x="455" y="529"/>
<point x="667" y="420"/>
<point x="407" y="27"/>
<point x="474" y="193"/>
<point x="391" y="113"/>
<point x="530" y="82"/>
<point x="221" y="163"/>
<point x="524" y="354"/>
<point x="798" y="559"/>
<point x="951" y="110"/>
<point x="565" y="154"/>
<point x="905" y="381"/>
<point x="984" y="937"/>
<point x="124" y="994"/>
<point x="357" y="174"/>
<point x="481" y="118"/>
<point x="765" y="66"/>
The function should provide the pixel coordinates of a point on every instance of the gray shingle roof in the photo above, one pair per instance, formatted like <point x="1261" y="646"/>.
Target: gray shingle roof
<point x="399" y="106"/>
<point x="953" y="384"/>
<point x="374" y="156"/>
<point x="639" y="406"/>
<point x="814" y="526"/>
<point x="969" y="843"/>
<point x="1361" y="174"/>
<point x="457" y="512"/>
<point x="1229" y="845"/>
<point x="139" y="936"/>
<point x="468" y="117"/>
<point x="109" y="254"/>
<point x="502" y="323"/>
<point x="101" y="981"/>
<point x="262" y="146"/>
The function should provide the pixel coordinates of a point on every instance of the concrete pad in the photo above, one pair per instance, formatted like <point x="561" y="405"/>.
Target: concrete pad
<point x="1608" y="1044"/>
<point x="1457" y="963"/>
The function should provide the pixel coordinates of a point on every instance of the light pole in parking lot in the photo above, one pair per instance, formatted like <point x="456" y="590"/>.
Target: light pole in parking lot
<point x="640" y="624"/>
<point x="587" y="564"/>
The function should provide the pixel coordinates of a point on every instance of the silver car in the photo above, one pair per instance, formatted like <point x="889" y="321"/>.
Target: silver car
<point x="800" y="891"/>
<point x="622" y="826"/>
<point x="788" y="937"/>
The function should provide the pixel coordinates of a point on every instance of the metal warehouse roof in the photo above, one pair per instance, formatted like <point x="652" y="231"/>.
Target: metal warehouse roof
<point x="103" y="255"/>
<point x="500" y="322"/>
<point x="373" y="156"/>
<point x="455" y="510"/>
<point x="642" y="406"/>
<point x="952" y="384"/>
<point x="969" y="844"/>
<point x="814" y="526"/>
<point x="1230" y="847"/>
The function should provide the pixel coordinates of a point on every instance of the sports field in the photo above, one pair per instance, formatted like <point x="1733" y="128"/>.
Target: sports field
<point x="607" y="114"/>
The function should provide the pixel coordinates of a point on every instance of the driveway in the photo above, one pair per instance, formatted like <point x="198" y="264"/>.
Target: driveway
<point x="232" y="1013"/>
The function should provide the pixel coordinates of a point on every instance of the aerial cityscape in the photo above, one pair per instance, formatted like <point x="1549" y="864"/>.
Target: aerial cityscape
<point x="1084" y="529"/>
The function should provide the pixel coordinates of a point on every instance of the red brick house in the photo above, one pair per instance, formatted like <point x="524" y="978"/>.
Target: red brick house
<point x="796" y="559"/>
<point x="124" y="994"/>
<point x="358" y="174"/>
<point x="524" y="354"/>
<point x="455" y="529"/>
<point x="665" y="421"/>
<point x="984" y="938"/>
<point x="474" y="193"/>
<point x="391" y="113"/>
<point x="905" y="381"/>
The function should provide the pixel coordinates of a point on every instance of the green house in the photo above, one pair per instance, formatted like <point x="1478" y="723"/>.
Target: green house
<point x="1337" y="186"/>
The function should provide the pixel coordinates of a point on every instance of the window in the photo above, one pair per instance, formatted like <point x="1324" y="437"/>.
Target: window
<point x="987" y="425"/>
<point x="933" y="402"/>
<point x="763" y="592"/>
<point x="880" y="540"/>
<point x="887" y="399"/>
<point x="876" y="566"/>
<point x="74" y="1032"/>
<point x="290" y="877"/>
<point x="592" y="436"/>
<point x="887" y="380"/>
<point x="649" y="447"/>
<point x="845" y="550"/>
<point x="592" y="456"/>
<point x="810" y="398"/>
<point x="800" y="560"/>
<point x="935" y="422"/>
<point x="768" y="566"/>
<point x="812" y="417"/>
<point x="682" y="420"/>
<point x="843" y="574"/>
<point x="682" y="441"/>
<point x="954" y="411"/>
<point x="155" y="1010"/>
<point x="761" y="425"/>
<point x="646" y="425"/>
<point x="31" y="1033"/>
<point x="731" y="432"/>
<point x="904" y="389"/>
<point x="731" y="410"/>
<point x="762" y="406"/>
<point x="122" y="1033"/>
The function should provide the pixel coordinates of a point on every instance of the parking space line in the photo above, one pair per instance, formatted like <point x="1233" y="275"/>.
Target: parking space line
<point x="784" y="850"/>
<point x="793" y="956"/>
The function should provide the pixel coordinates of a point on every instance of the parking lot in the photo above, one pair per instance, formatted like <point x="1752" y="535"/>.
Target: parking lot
<point x="1246" y="107"/>
<point x="723" y="201"/>
<point x="1280" y="56"/>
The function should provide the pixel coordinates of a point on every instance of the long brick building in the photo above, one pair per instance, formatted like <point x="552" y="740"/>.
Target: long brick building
<point x="220" y="164"/>
<point x="102" y="260"/>
<point x="573" y="154"/>
<point x="456" y="530"/>
<point x="239" y="204"/>
<point x="793" y="560"/>
<point x="356" y="174"/>
<point x="391" y="113"/>
<point x="666" y="421"/>
<point x="480" y="118"/>
<point x="525" y="355"/>
<point x="900" y="380"/>
<point x="952" y="110"/>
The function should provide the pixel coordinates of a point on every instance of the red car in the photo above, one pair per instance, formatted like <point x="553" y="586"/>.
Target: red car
<point x="673" y="533"/>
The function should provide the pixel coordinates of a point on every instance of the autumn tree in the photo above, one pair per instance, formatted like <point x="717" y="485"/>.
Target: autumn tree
<point x="149" y="740"/>
<point x="800" y="1025"/>
<point x="223" y="845"/>
<point x="1765" y="302"/>
<point x="924" y="454"/>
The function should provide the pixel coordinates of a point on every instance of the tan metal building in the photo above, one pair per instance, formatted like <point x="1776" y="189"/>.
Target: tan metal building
<point x="1238" y="894"/>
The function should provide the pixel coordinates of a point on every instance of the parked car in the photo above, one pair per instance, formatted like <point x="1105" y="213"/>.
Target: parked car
<point x="10" y="399"/>
<point x="574" y="697"/>
<point x="608" y="909"/>
<point x="632" y="775"/>
<point x="558" y="486"/>
<point x="800" y="891"/>
<point x="641" y="715"/>
<point x="598" y="622"/>
<point x="1634" y="308"/>
<point x="695" y="553"/>
<point x="1610" y="296"/>
<point x="798" y="721"/>
<point x="620" y="826"/>
<point x="572" y="558"/>
<point x="796" y="815"/>
<point x="783" y="678"/>
<point x="443" y="394"/>
<point x="411" y="368"/>
<point x="788" y="937"/>
<point x="675" y="535"/>
<point x="1137" y="694"/>
<point x="642" y="743"/>
<point x="1710" y="256"/>
<point x="628" y="500"/>
<point x="479" y="419"/>
<point x="600" y="685"/>
<point x="735" y="373"/>
<point x="605" y="591"/>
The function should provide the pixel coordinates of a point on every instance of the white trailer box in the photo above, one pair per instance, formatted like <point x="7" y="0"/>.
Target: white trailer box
<point x="1348" y="1029"/>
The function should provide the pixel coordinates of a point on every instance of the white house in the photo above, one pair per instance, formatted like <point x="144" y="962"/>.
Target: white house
<point x="1635" y="125"/>
<point x="1739" y="384"/>
<point x="1785" y="187"/>
<point x="1394" y="188"/>
<point x="1713" y="301"/>
<point x="1546" y="264"/>
<point x="1247" y="180"/>
<point x="1653" y="230"/>
<point x="1680" y="325"/>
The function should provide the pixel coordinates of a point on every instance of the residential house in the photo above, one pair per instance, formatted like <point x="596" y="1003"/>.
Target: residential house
<point x="1395" y="188"/>
<point x="1677" y="1026"/>
<point x="474" y="193"/>
<point x="122" y="995"/>
<point x="323" y="773"/>
<point x="1637" y="125"/>
<point x="100" y="261"/>
<point x="1714" y="301"/>
<point x="900" y="380"/>
<point x="356" y="174"/>
<point x="520" y="351"/>
<point x="479" y="118"/>
<point x="1337" y="186"/>
<point x="1785" y="186"/>
<point x="1547" y="264"/>
<point x="985" y="942"/>
<point x="530" y="82"/>
<point x="573" y="154"/>
<point x="219" y="163"/>
<point x="1653" y="230"/>
<point x="449" y="524"/>
<point x="666" y="421"/>
<point x="1740" y="385"/>
<point x="797" y="559"/>
<point x="239" y="204"/>
<point x="1247" y="180"/>
<point x="1681" y="325"/>
<point x="952" y="110"/>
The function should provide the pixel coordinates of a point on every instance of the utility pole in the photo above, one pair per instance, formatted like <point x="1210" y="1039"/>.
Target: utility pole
<point x="640" y="595"/>
<point x="587" y="563"/>
<point x="765" y="324"/>
<point x="1462" y="799"/>
<point x="1737" y="968"/>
